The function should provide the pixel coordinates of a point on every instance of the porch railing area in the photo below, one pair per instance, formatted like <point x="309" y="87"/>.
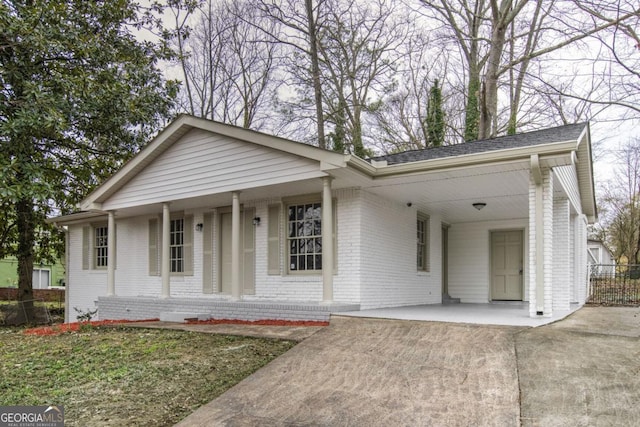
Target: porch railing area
<point x="611" y="284"/>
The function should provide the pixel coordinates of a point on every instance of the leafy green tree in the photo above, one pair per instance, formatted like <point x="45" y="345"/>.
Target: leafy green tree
<point x="435" y="116"/>
<point x="79" y="94"/>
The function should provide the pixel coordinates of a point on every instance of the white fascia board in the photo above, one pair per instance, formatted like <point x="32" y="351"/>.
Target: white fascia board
<point x="361" y="165"/>
<point x="75" y="218"/>
<point x="543" y="151"/>
<point x="584" y="169"/>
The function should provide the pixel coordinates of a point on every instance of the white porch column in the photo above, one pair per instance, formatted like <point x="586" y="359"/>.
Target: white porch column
<point x="235" y="246"/>
<point x="548" y="242"/>
<point x="562" y="255"/>
<point x="540" y="240"/>
<point x="327" y="241"/>
<point x="165" y="260"/>
<point x="111" y="254"/>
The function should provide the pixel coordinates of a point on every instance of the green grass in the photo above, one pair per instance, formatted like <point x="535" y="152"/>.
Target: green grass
<point x="126" y="376"/>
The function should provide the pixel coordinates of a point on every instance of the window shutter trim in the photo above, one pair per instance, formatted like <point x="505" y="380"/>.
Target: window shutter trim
<point x="207" y="254"/>
<point x="154" y="248"/>
<point x="273" y="246"/>
<point x="188" y="245"/>
<point x="86" y="247"/>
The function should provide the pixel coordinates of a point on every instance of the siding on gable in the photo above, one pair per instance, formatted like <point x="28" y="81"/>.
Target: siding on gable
<point x="568" y="179"/>
<point x="202" y="163"/>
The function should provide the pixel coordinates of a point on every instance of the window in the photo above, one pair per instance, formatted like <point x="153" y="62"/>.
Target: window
<point x="304" y="238"/>
<point x="95" y="247"/>
<point x="180" y="245"/>
<point x="176" y="245"/>
<point x="100" y="246"/>
<point x="422" y="240"/>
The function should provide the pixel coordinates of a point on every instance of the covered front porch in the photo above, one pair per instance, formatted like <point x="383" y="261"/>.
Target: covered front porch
<point x="179" y="309"/>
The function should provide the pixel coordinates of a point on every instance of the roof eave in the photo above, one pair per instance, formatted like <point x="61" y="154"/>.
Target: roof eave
<point x="520" y="153"/>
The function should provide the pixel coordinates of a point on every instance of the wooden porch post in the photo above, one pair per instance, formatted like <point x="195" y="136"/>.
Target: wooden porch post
<point x="327" y="241"/>
<point x="235" y="246"/>
<point x="111" y="254"/>
<point x="166" y="247"/>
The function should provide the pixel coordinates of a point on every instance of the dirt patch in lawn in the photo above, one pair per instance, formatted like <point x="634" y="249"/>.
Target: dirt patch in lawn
<point x="125" y="376"/>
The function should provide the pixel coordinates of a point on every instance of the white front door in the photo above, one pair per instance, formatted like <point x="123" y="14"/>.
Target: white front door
<point x="506" y="265"/>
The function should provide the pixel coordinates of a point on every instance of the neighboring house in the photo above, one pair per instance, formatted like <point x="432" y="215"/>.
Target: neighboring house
<point x="599" y="253"/>
<point x="45" y="276"/>
<point x="600" y="259"/>
<point x="213" y="219"/>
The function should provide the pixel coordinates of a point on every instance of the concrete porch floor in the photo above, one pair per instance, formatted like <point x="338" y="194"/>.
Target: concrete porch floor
<point x="497" y="313"/>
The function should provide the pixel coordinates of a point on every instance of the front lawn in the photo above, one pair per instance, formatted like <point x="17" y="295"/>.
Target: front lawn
<point x="126" y="376"/>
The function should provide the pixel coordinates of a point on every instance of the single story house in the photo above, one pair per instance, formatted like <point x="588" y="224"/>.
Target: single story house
<point x="214" y="220"/>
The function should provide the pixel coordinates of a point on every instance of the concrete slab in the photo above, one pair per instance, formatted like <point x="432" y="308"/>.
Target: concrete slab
<point x="380" y="372"/>
<point x="582" y="371"/>
<point x="505" y="313"/>
<point x="620" y="321"/>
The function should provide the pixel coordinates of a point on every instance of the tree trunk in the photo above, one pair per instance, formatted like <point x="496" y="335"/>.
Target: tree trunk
<point x="315" y="71"/>
<point x="26" y="240"/>
<point x="489" y="106"/>
<point x="472" y="109"/>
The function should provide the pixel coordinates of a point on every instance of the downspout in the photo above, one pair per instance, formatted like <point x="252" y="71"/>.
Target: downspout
<point x="536" y="171"/>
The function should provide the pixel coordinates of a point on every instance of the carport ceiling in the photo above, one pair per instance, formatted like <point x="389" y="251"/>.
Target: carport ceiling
<point x="451" y="194"/>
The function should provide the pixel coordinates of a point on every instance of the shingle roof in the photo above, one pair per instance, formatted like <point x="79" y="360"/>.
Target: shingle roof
<point x="539" y="137"/>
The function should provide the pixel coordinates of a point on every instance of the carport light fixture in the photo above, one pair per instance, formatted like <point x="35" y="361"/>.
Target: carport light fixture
<point x="479" y="205"/>
<point x="199" y="226"/>
<point x="256" y="220"/>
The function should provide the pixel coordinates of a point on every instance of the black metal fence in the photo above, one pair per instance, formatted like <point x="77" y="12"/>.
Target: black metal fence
<point x="614" y="284"/>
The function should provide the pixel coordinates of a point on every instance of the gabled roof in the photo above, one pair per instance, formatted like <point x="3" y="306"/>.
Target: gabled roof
<point x="570" y="143"/>
<point x="185" y="123"/>
<point x="545" y="136"/>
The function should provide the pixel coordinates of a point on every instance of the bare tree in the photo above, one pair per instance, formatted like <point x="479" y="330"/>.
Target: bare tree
<point x="519" y="32"/>
<point x="399" y="121"/>
<point x="361" y="47"/>
<point x="226" y="64"/>
<point x="620" y="205"/>
<point x="296" y="32"/>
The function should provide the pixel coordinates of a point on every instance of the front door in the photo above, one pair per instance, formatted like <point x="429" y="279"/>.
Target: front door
<point x="506" y="265"/>
<point x="247" y="252"/>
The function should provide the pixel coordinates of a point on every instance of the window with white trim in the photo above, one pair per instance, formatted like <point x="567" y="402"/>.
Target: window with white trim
<point x="304" y="236"/>
<point x="176" y="245"/>
<point x="100" y="246"/>
<point x="422" y="240"/>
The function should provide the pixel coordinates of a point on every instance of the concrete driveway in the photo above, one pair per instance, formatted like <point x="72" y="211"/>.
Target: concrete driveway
<point x="583" y="370"/>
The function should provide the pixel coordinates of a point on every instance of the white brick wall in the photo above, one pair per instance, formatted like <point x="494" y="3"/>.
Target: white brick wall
<point x="303" y="287"/>
<point x="83" y="286"/>
<point x="389" y="274"/>
<point x="470" y="258"/>
<point x="581" y="259"/>
<point x="562" y="262"/>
